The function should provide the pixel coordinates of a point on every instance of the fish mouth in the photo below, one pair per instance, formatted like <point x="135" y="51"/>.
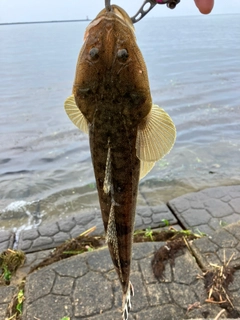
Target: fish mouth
<point x="111" y="15"/>
<point x="123" y="16"/>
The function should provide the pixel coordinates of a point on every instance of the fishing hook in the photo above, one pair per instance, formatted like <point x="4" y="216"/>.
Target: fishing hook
<point x="149" y="5"/>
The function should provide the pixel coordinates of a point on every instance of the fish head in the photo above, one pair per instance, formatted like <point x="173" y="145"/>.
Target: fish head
<point x="111" y="72"/>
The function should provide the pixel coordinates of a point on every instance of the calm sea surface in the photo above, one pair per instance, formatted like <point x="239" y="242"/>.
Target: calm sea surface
<point x="45" y="165"/>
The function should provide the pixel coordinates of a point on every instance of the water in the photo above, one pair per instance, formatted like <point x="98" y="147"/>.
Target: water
<point x="45" y="166"/>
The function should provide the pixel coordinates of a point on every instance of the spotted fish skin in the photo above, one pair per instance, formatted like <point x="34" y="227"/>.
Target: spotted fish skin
<point x="111" y="101"/>
<point x="112" y="91"/>
<point x="119" y="204"/>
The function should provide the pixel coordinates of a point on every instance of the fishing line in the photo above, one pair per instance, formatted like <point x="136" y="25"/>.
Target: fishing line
<point x="108" y="5"/>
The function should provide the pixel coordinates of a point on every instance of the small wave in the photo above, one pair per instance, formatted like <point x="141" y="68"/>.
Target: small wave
<point x="16" y="172"/>
<point x="17" y="206"/>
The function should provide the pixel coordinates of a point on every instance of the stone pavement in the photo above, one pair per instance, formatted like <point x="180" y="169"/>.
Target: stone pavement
<point x="205" y="210"/>
<point x="53" y="234"/>
<point x="86" y="286"/>
<point x="208" y="209"/>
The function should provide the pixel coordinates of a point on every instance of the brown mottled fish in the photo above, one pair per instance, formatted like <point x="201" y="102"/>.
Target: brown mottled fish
<point x="111" y="101"/>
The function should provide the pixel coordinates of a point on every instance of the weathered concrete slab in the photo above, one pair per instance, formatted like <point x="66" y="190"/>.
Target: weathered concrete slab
<point x="205" y="210"/>
<point x="6" y="293"/>
<point x="53" y="234"/>
<point x="209" y="209"/>
<point x="86" y="286"/>
<point x="220" y="247"/>
<point x="32" y="259"/>
<point x="6" y="240"/>
<point x="223" y="247"/>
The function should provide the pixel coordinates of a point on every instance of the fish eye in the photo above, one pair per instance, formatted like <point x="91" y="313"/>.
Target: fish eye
<point x="122" y="55"/>
<point x="94" y="53"/>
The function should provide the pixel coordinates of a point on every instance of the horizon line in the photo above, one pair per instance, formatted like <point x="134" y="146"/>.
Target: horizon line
<point x="48" y="21"/>
<point x="87" y="19"/>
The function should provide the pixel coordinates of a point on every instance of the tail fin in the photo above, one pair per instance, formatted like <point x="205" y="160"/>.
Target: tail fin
<point x="126" y="301"/>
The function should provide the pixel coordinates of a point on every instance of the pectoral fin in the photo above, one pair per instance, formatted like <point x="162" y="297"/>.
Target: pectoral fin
<point x="145" y="167"/>
<point x="75" y="115"/>
<point x="155" y="138"/>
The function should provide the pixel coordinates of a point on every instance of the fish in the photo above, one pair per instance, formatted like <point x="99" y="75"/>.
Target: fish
<point x="111" y="101"/>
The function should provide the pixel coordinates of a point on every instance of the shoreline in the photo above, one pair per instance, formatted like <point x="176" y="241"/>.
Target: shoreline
<point x="204" y="210"/>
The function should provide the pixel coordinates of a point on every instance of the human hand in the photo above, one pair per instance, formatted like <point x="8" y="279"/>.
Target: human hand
<point x="204" y="6"/>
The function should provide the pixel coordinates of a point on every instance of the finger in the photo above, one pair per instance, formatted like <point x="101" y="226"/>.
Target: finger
<point x="204" y="6"/>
